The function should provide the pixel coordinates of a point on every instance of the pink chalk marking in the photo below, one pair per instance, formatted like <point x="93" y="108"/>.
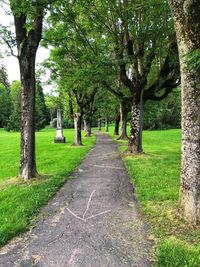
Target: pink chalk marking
<point x="95" y="215"/>
<point x="88" y="204"/>
<point x="82" y="219"/>
<point x="87" y="208"/>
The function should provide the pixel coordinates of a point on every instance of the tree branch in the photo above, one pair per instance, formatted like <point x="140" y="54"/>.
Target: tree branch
<point x="10" y="47"/>
<point x="110" y="89"/>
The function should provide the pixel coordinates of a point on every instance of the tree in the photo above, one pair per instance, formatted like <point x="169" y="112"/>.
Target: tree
<point x="40" y="108"/>
<point x="164" y="114"/>
<point x="4" y="77"/>
<point x="76" y="66"/>
<point x="4" y="105"/>
<point x="74" y="78"/>
<point x="187" y="26"/>
<point x="28" y="20"/>
<point x="14" y="122"/>
<point x="138" y="32"/>
<point x="89" y="112"/>
<point x="52" y="105"/>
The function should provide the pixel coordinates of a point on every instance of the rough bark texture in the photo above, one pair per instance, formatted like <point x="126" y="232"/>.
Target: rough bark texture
<point x="27" y="154"/>
<point x="77" y="129"/>
<point x="141" y="122"/>
<point x="187" y="26"/>
<point x="117" y="122"/>
<point x="135" y="128"/>
<point x="27" y="45"/>
<point x="87" y="126"/>
<point x="124" y="113"/>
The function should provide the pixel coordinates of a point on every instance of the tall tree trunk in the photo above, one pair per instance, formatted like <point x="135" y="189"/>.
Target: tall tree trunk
<point x="187" y="26"/>
<point x="106" y="122"/>
<point x="117" y="122"/>
<point x="99" y="122"/>
<point x="77" y="129"/>
<point x="124" y="113"/>
<point x="141" y="122"/>
<point x="27" y="154"/>
<point x="135" y="127"/>
<point x="87" y="126"/>
<point x="27" y="45"/>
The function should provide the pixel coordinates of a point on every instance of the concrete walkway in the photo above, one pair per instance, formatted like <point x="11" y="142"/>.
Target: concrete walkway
<point x="93" y="221"/>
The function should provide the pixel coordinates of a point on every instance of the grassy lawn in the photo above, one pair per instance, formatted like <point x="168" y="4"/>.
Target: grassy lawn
<point x="20" y="201"/>
<point x="155" y="175"/>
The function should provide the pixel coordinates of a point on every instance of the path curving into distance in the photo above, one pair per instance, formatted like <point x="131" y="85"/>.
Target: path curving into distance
<point x="93" y="221"/>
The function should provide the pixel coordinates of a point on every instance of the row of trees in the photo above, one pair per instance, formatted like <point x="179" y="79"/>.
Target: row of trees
<point x="10" y="104"/>
<point x="127" y="47"/>
<point x="156" y="116"/>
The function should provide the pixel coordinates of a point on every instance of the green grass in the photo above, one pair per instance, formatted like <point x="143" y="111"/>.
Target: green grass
<point x="20" y="201"/>
<point x="156" y="175"/>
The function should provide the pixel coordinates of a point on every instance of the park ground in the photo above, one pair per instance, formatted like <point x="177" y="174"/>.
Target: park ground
<point x="155" y="175"/>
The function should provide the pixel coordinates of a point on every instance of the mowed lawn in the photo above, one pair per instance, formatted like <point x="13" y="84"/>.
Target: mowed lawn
<point x="20" y="201"/>
<point x="156" y="178"/>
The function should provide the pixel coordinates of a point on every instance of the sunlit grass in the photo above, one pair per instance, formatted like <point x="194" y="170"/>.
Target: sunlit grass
<point x="20" y="201"/>
<point x="156" y="178"/>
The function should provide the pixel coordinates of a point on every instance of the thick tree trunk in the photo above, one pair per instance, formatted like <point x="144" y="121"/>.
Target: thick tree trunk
<point x="117" y="122"/>
<point x="27" y="154"/>
<point x="77" y="129"/>
<point x="187" y="26"/>
<point x="87" y="126"/>
<point x="27" y="44"/>
<point x="106" y="122"/>
<point x="99" y="122"/>
<point x="135" y="127"/>
<point x="124" y="113"/>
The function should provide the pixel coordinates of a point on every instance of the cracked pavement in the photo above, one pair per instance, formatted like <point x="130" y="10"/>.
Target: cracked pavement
<point x="93" y="221"/>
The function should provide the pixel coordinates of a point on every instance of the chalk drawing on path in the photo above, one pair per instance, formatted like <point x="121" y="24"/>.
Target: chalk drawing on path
<point x="83" y="217"/>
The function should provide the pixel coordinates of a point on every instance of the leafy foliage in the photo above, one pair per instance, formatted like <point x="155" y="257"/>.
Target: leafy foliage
<point x="4" y="105"/>
<point x="165" y="114"/>
<point x="14" y="121"/>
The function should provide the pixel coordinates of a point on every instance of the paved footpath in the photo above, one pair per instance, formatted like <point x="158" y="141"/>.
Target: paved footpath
<point x="93" y="221"/>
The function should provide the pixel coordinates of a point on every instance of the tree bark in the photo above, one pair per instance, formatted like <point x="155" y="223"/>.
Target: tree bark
<point x="106" y="122"/>
<point x="141" y="122"/>
<point x="27" y="154"/>
<point x="135" y="127"/>
<point x="187" y="26"/>
<point x="87" y="126"/>
<point x="77" y="129"/>
<point x="99" y="122"/>
<point x="124" y="113"/>
<point x="117" y="122"/>
<point x="27" y="45"/>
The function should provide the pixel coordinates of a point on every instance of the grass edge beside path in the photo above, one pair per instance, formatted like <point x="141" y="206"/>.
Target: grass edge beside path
<point x="21" y="201"/>
<point x="156" y="175"/>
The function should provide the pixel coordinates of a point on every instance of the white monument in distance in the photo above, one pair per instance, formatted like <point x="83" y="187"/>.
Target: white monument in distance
<point x="59" y="132"/>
